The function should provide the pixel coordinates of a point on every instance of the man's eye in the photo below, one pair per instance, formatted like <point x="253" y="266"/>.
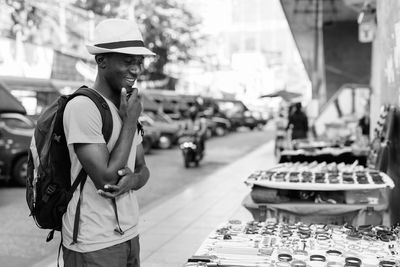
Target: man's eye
<point x="134" y="62"/>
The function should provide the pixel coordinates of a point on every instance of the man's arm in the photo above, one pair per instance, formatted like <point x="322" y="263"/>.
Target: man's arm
<point x="101" y="165"/>
<point x="129" y="180"/>
<point x="141" y="174"/>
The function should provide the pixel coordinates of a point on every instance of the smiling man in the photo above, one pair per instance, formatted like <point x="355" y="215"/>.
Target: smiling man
<point x="108" y="209"/>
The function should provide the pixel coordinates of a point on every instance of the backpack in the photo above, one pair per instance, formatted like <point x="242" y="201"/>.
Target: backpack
<point x="48" y="185"/>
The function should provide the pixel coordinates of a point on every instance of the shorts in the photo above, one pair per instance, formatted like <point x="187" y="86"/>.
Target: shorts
<point x="125" y="254"/>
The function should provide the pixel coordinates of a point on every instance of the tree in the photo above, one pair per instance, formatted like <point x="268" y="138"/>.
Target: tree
<point x="25" y="19"/>
<point x="170" y="30"/>
<point x="107" y="8"/>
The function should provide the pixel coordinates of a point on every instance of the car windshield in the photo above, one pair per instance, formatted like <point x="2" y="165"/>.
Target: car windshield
<point x="230" y="108"/>
<point x="159" y="117"/>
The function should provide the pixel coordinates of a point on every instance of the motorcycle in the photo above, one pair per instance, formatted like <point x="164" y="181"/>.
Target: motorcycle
<point x="190" y="150"/>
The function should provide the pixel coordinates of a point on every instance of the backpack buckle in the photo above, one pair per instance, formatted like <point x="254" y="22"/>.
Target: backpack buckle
<point x="51" y="189"/>
<point x="119" y="230"/>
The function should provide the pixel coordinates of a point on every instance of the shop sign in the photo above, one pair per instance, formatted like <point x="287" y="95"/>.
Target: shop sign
<point x="366" y="32"/>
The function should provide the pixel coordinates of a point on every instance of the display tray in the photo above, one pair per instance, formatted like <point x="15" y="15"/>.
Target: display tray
<point x="278" y="244"/>
<point x="320" y="177"/>
<point x="316" y="152"/>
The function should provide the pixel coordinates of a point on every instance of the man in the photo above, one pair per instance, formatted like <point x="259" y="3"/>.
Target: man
<point x="196" y="125"/>
<point x="108" y="234"/>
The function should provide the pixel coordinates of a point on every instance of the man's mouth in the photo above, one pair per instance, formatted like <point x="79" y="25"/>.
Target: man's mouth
<point x="130" y="80"/>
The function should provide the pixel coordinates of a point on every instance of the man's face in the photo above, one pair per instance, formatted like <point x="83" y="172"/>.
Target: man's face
<point x="122" y="70"/>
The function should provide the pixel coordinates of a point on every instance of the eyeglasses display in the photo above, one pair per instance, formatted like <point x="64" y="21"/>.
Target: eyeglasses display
<point x="320" y="176"/>
<point x="273" y="244"/>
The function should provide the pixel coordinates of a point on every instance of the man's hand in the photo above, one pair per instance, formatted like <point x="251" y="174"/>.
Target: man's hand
<point x="125" y="183"/>
<point x="130" y="108"/>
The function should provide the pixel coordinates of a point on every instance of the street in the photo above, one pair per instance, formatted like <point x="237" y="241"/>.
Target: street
<point x="23" y="244"/>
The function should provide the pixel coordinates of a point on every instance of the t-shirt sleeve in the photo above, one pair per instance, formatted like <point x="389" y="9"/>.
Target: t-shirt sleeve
<point x="82" y="121"/>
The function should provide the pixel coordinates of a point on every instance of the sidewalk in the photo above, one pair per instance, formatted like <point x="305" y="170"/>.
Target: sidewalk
<point x="172" y="231"/>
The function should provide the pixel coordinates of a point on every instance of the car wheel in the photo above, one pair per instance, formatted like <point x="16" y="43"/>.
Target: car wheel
<point x="164" y="142"/>
<point x="220" y="131"/>
<point x="20" y="171"/>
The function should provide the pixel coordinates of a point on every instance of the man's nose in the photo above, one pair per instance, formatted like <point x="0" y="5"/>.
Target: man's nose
<point x="135" y="69"/>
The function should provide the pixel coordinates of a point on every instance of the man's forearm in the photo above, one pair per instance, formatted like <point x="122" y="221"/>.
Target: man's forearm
<point x="120" y="154"/>
<point x="140" y="178"/>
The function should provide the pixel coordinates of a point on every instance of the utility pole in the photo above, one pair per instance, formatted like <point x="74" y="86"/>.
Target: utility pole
<point x="318" y="62"/>
<point x="316" y="50"/>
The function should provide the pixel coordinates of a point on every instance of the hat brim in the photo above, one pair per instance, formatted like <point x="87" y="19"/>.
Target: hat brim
<point x="143" y="51"/>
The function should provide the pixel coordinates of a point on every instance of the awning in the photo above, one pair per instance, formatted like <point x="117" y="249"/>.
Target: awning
<point x="30" y="84"/>
<point x="8" y="103"/>
<point x="285" y="95"/>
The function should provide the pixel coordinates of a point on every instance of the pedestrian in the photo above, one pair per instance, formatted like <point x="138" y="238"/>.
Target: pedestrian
<point x="108" y="234"/>
<point x="196" y="125"/>
<point x="298" y="122"/>
<point x="364" y="122"/>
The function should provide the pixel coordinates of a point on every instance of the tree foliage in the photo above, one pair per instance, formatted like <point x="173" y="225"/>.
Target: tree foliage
<point x="168" y="27"/>
<point x="170" y="30"/>
<point x="107" y="8"/>
<point x="25" y="20"/>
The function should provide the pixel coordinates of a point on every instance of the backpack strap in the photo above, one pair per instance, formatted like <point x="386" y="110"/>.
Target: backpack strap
<point x="102" y="106"/>
<point x="107" y="128"/>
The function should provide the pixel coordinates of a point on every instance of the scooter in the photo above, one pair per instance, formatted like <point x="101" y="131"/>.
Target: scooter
<point x="190" y="150"/>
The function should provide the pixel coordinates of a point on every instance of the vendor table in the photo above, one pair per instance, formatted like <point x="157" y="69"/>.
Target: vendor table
<point x="318" y="192"/>
<point x="291" y="212"/>
<point x="272" y="244"/>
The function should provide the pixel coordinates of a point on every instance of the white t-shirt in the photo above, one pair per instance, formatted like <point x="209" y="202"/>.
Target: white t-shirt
<point x="83" y="124"/>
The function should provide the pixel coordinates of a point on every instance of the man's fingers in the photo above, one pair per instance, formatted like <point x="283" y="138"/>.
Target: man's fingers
<point x="111" y="188"/>
<point x="134" y="94"/>
<point x="124" y="171"/>
<point x="106" y="194"/>
<point x="123" y="101"/>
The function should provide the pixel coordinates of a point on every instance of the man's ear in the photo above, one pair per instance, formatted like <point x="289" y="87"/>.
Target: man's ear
<point x="101" y="60"/>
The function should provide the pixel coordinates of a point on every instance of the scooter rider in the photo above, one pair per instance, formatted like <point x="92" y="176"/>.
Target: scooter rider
<point x="196" y="125"/>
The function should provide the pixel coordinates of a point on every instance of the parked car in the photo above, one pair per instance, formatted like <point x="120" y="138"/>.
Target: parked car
<point x="151" y="135"/>
<point x="234" y="111"/>
<point x="222" y="127"/>
<point x="220" y="124"/>
<point x="16" y="131"/>
<point x="169" y="129"/>
<point x="261" y="118"/>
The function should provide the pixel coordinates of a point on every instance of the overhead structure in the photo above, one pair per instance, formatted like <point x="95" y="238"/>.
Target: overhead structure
<point x="8" y="103"/>
<point x="326" y="33"/>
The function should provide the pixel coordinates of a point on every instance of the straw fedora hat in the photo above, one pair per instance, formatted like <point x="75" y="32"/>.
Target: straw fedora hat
<point x="118" y="36"/>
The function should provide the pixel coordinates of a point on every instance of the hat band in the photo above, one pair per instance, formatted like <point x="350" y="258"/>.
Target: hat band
<point x="121" y="44"/>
